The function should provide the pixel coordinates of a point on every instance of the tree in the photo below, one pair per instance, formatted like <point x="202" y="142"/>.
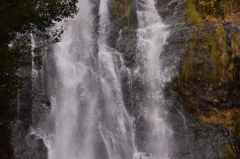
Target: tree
<point x="19" y="19"/>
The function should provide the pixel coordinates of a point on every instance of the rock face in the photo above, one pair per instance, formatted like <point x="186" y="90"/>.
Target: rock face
<point x="194" y="139"/>
<point x="27" y="145"/>
<point x="202" y="140"/>
<point x="208" y="80"/>
<point x="191" y="138"/>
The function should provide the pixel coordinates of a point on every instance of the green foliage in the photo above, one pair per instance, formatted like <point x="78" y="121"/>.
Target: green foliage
<point x="230" y="6"/>
<point x="25" y="16"/>
<point x="120" y="7"/>
<point x="210" y="7"/>
<point x="201" y="10"/>
<point x="193" y="14"/>
<point x="215" y="69"/>
<point x="19" y="20"/>
<point x="223" y="55"/>
<point x="123" y="10"/>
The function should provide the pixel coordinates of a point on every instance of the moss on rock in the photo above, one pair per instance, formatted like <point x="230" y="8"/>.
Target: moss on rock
<point x="123" y="10"/>
<point x="209" y="80"/>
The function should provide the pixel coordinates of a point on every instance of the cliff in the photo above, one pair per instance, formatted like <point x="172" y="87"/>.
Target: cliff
<point x="203" y="99"/>
<point x="203" y="45"/>
<point x="208" y="81"/>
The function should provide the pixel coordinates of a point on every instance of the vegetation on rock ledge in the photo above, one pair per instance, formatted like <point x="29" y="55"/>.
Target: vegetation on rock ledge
<point x="124" y="11"/>
<point x="209" y="80"/>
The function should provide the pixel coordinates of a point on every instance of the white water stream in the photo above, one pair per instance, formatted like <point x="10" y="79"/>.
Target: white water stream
<point x="88" y="119"/>
<point x="152" y="35"/>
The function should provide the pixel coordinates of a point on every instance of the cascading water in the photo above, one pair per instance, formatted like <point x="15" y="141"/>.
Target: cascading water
<point x="88" y="119"/>
<point x="152" y="35"/>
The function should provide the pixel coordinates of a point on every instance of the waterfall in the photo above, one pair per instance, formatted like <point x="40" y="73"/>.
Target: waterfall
<point x="152" y="35"/>
<point x="89" y="119"/>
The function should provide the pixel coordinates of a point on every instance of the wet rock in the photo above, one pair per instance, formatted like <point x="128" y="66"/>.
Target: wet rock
<point x="25" y="95"/>
<point x="127" y="46"/>
<point x="193" y="139"/>
<point x="26" y="145"/>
